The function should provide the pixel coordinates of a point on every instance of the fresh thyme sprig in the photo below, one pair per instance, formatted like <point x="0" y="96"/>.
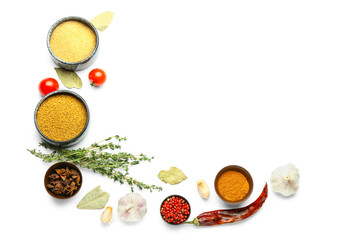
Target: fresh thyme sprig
<point x="113" y="165"/>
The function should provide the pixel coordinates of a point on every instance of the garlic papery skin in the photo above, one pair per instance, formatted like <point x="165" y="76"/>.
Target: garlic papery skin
<point x="132" y="207"/>
<point x="203" y="189"/>
<point x="107" y="215"/>
<point x="284" y="180"/>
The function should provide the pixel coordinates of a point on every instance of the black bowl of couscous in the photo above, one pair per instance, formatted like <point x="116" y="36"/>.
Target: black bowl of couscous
<point x="62" y="118"/>
<point x="73" y="43"/>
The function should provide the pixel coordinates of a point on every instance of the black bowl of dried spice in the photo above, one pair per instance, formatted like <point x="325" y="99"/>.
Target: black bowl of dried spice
<point x="62" y="118"/>
<point x="175" y="209"/>
<point x="63" y="180"/>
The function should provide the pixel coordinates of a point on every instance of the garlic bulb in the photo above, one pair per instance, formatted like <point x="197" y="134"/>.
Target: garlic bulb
<point x="132" y="207"/>
<point x="203" y="189"/>
<point x="284" y="180"/>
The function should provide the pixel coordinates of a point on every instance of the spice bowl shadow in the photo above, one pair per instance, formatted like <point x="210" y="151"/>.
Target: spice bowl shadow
<point x="80" y="65"/>
<point x="185" y="215"/>
<point x="51" y="170"/>
<point x="69" y="142"/>
<point x="238" y="169"/>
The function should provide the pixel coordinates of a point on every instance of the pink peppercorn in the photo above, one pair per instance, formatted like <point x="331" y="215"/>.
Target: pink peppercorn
<point x="175" y="209"/>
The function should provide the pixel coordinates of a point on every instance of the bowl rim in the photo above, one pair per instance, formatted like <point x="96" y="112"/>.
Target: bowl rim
<point x="246" y="174"/>
<point x="57" y="165"/>
<point x="175" y="195"/>
<point x="69" y="141"/>
<point x="74" y="18"/>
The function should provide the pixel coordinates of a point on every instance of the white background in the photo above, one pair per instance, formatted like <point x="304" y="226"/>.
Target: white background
<point x="198" y="85"/>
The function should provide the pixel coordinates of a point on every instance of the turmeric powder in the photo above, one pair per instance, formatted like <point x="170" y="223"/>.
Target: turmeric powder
<point x="233" y="186"/>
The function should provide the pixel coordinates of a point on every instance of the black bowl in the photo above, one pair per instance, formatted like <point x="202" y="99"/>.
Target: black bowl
<point x="186" y="216"/>
<point x="74" y="65"/>
<point x="70" y="142"/>
<point x="51" y="170"/>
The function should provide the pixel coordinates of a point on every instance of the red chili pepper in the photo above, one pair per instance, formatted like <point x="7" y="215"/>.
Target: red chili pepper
<point x="233" y="215"/>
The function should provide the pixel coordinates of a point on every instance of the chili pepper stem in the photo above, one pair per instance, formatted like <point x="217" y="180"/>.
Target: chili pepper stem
<point x="195" y="222"/>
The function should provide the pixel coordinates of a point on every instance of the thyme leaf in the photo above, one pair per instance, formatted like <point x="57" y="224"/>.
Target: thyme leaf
<point x="100" y="158"/>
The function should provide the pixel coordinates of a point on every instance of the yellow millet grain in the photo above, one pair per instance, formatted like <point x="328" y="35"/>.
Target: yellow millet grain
<point x="61" y="117"/>
<point x="72" y="41"/>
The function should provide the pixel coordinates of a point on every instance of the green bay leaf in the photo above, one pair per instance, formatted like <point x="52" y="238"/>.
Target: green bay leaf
<point x="172" y="176"/>
<point x="95" y="199"/>
<point x="102" y="21"/>
<point x="69" y="78"/>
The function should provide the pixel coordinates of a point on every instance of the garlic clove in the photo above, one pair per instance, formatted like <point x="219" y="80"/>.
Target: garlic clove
<point x="203" y="189"/>
<point x="107" y="215"/>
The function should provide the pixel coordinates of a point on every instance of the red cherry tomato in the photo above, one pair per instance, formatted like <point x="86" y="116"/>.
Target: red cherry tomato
<point x="48" y="85"/>
<point x="97" y="77"/>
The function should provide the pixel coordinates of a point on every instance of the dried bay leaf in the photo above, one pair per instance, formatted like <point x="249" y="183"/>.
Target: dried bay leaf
<point x="69" y="78"/>
<point x="102" y="21"/>
<point x="172" y="176"/>
<point x="95" y="199"/>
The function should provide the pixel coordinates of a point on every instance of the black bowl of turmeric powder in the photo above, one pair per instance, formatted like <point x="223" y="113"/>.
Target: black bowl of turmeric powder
<point x="233" y="184"/>
<point x="62" y="118"/>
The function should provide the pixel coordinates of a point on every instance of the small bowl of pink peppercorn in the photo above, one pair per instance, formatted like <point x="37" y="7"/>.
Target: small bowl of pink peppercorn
<point x="175" y="209"/>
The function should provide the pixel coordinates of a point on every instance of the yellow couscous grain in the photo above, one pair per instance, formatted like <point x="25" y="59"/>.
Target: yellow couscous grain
<point x="72" y="41"/>
<point x="61" y="117"/>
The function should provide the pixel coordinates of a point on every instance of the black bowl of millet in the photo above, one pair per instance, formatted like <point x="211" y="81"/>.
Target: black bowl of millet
<point x="175" y="209"/>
